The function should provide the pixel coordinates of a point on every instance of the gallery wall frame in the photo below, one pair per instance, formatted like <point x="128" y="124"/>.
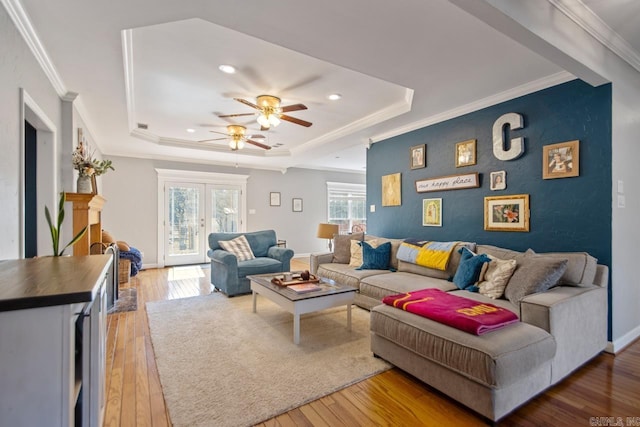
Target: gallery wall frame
<point x="506" y="213"/>
<point x="466" y="153"/>
<point x="418" y="156"/>
<point x="432" y="212"/>
<point x="274" y="198"/>
<point x="391" y="190"/>
<point x="561" y="160"/>
<point x="498" y="180"/>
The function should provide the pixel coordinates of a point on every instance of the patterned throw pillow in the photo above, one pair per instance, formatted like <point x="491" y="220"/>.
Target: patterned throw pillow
<point x="356" y="251"/>
<point x="239" y="247"/>
<point x="496" y="276"/>
<point x="342" y="246"/>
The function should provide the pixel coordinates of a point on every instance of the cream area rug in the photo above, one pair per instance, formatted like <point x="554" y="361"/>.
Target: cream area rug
<point x="220" y="364"/>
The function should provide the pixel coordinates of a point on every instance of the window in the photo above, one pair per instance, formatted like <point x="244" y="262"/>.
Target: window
<point x="347" y="206"/>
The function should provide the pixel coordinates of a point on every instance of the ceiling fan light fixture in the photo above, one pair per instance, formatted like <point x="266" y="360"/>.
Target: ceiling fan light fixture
<point x="263" y="121"/>
<point x="274" y="120"/>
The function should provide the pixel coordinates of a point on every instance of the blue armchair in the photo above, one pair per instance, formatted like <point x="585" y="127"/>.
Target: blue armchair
<point x="230" y="275"/>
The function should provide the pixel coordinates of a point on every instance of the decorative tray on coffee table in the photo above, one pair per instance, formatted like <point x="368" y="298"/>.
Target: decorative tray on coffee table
<point x="296" y="279"/>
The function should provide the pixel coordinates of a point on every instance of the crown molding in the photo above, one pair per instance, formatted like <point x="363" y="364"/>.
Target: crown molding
<point x="23" y="24"/>
<point x="525" y="89"/>
<point x="586" y="19"/>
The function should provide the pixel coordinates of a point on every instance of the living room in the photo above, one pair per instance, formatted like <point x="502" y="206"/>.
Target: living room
<point x="591" y="212"/>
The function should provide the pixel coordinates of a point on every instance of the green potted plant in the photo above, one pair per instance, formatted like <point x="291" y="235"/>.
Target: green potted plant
<point x="55" y="230"/>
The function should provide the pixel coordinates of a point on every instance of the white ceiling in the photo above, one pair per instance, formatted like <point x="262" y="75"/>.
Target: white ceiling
<point x="398" y="65"/>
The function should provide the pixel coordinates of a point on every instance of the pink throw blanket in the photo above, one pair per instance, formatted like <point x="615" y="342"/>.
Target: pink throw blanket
<point x="462" y="313"/>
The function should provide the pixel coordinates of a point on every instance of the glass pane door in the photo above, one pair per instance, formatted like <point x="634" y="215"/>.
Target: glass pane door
<point x="224" y="208"/>
<point x="185" y="235"/>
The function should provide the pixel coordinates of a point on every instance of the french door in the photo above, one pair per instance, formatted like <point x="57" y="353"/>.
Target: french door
<point x="191" y="212"/>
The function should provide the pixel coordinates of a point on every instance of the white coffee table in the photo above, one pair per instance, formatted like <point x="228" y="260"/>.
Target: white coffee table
<point x="331" y="295"/>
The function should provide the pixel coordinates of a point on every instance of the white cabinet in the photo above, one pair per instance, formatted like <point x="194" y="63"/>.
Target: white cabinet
<point x="52" y="357"/>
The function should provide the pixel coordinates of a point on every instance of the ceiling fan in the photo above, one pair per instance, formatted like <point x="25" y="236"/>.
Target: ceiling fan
<point x="237" y="138"/>
<point x="271" y="112"/>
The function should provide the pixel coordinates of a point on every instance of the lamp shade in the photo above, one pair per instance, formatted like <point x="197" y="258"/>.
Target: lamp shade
<point x="326" y="231"/>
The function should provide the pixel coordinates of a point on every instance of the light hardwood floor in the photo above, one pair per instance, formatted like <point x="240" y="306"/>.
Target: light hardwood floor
<point x="608" y="386"/>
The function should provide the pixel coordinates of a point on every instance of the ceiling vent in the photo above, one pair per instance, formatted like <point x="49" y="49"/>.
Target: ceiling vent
<point x="143" y="126"/>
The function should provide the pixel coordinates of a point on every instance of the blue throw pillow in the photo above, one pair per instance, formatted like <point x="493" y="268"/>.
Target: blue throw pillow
<point x="469" y="269"/>
<point x="375" y="258"/>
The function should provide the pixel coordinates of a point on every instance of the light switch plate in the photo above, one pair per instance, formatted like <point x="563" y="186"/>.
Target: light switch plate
<point x="372" y="208"/>
<point x="620" y="186"/>
<point x="621" y="201"/>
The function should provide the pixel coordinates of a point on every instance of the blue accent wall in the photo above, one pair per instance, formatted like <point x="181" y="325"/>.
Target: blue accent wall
<point x="568" y="214"/>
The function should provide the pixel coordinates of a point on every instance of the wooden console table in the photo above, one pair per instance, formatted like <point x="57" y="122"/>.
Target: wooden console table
<point x="87" y="211"/>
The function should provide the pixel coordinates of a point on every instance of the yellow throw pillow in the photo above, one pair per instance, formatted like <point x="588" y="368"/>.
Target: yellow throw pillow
<point x="356" y="251"/>
<point x="496" y="277"/>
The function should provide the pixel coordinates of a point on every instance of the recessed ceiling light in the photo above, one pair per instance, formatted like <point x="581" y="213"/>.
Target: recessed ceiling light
<point x="334" y="96"/>
<point x="191" y="130"/>
<point x="229" y="69"/>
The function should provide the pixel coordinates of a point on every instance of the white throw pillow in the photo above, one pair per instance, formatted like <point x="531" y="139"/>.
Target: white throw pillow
<point x="356" y="251"/>
<point x="239" y="247"/>
<point x="497" y="275"/>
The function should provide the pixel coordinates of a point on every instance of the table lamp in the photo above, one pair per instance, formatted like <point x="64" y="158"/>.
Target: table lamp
<point x="326" y="231"/>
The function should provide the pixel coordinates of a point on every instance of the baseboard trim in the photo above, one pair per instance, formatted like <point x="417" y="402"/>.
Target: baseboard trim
<point x="619" y="344"/>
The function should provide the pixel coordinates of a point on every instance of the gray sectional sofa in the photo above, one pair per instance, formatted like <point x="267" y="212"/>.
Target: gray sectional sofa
<point x="559" y="330"/>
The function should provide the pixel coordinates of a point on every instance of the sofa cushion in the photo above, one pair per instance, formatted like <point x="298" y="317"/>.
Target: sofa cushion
<point x="534" y="274"/>
<point x="497" y="359"/>
<point x="375" y="258"/>
<point x="342" y="246"/>
<point x="502" y="253"/>
<point x="239" y="247"/>
<point x="260" y="265"/>
<point x="581" y="267"/>
<point x="382" y="285"/>
<point x="468" y="271"/>
<point x="346" y="275"/>
<point x="496" y="276"/>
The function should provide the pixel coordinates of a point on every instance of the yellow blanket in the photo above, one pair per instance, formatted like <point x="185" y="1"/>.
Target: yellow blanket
<point x="430" y="254"/>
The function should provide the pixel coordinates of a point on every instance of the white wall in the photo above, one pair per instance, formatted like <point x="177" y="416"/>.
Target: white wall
<point x="18" y="69"/>
<point x="130" y="213"/>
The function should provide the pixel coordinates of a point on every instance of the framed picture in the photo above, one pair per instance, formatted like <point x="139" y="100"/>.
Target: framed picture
<point x="506" y="213"/>
<point x="274" y="199"/>
<point x="418" y="154"/>
<point x="391" y="190"/>
<point x="432" y="212"/>
<point x="561" y="160"/>
<point x="296" y="204"/>
<point x="466" y="153"/>
<point x="498" y="180"/>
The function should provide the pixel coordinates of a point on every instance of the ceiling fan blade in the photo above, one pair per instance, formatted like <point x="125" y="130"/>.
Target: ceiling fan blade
<point x="220" y="133"/>
<point x="215" y="139"/>
<point x="256" y="136"/>
<point x="296" y="121"/>
<point x="294" y="107"/>
<point x="258" y="144"/>
<point x="236" y="115"/>
<point x="250" y="104"/>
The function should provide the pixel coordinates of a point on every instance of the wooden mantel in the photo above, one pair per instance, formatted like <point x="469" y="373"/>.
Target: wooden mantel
<point x="87" y="211"/>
